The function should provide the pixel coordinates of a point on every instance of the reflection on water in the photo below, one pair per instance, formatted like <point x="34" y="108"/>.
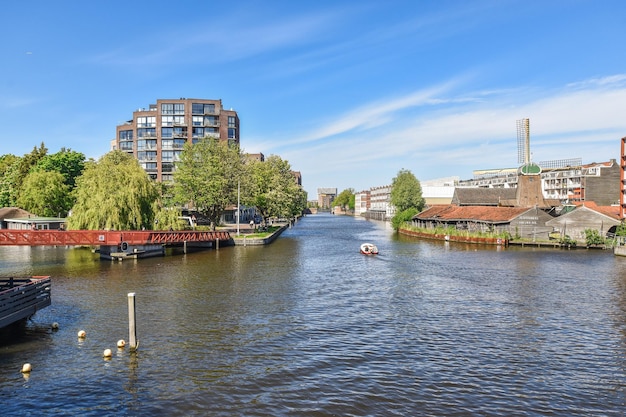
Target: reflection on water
<point x="308" y="326"/>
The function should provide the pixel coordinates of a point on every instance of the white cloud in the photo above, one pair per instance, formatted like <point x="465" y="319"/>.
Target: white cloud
<point x="466" y="133"/>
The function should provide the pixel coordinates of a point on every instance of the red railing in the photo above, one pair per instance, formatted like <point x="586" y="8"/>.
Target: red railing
<point x="9" y="237"/>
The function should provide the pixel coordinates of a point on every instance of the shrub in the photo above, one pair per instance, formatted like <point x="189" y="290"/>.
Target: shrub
<point x="592" y="237"/>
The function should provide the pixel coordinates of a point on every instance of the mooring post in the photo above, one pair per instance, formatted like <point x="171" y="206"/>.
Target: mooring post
<point x="217" y="242"/>
<point x="132" y="329"/>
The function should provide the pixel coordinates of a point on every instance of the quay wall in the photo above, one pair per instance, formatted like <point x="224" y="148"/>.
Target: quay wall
<point x="452" y="238"/>
<point x="245" y="241"/>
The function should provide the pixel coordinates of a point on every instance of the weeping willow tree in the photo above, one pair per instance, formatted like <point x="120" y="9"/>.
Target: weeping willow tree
<point x="113" y="193"/>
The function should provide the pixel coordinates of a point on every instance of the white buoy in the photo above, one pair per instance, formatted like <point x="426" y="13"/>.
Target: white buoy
<point x="121" y="343"/>
<point x="81" y="334"/>
<point x="107" y="353"/>
<point x="26" y="368"/>
<point x="55" y="326"/>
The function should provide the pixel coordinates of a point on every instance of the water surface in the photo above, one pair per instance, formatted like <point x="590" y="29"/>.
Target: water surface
<point x="308" y="326"/>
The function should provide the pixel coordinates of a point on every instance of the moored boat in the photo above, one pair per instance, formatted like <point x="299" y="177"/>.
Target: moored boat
<point x="369" y="249"/>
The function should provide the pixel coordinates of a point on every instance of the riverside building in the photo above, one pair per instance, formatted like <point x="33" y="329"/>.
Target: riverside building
<point x="156" y="135"/>
<point x="570" y="184"/>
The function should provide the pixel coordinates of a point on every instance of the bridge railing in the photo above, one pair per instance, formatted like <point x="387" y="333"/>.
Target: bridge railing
<point x="104" y="237"/>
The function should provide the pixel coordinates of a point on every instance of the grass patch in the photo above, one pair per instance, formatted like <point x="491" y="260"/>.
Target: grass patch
<point x="258" y="235"/>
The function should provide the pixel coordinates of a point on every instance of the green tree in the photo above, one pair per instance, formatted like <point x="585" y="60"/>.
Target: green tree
<point x="15" y="173"/>
<point x="402" y="217"/>
<point x="45" y="194"/>
<point x="345" y="199"/>
<point x="67" y="162"/>
<point x="207" y="176"/>
<point x="113" y="193"/>
<point x="406" y="192"/>
<point x="6" y="161"/>
<point x="406" y="197"/>
<point x="273" y="190"/>
<point x="28" y="161"/>
<point x="8" y="184"/>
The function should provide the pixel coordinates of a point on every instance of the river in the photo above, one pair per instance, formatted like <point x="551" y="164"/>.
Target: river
<point x="307" y="326"/>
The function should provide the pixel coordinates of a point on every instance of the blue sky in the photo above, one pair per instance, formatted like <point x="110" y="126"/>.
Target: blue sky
<point x="349" y="92"/>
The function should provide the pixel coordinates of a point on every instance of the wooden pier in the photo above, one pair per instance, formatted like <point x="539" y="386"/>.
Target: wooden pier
<point x="20" y="298"/>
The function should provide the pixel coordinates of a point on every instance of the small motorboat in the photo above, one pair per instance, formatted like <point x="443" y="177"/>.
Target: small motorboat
<point x="369" y="249"/>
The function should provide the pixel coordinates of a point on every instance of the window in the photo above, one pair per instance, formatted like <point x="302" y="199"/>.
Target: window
<point x="167" y="177"/>
<point x="179" y="143"/>
<point x="180" y="132"/>
<point x="147" y="156"/>
<point x="167" y="156"/>
<point x="167" y="132"/>
<point x="198" y="132"/>
<point x="149" y="166"/>
<point x="232" y="133"/>
<point x="173" y="121"/>
<point x="126" y="135"/>
<point x="167" y="108"/>
<point x="179" y="108"/>
<point x="167" y="167"/>
<point x="197" y="108"/>
<point x="201" y="108"/>
<point x="146" y="133"/>
<point x="146" y="121"/>
<point x="210" y="132"/>
<point x="167" y="144"/>
<point x="231" y="121"/>
<point x="141" y="145"/>
<point x="196" y="120"/>
<point x="126" y="146"/>
<point x="211" y="121"/>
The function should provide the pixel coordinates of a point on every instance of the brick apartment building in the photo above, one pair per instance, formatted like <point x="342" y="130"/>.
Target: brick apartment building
<point x="156" y="135"/>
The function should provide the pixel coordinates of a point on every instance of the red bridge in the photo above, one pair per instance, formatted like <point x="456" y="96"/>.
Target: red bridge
<point x="10" y="237"/>
<point x="115" y="244"/>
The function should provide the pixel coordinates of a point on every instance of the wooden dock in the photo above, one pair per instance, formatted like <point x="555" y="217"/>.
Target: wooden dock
<point x="20" y="298"/>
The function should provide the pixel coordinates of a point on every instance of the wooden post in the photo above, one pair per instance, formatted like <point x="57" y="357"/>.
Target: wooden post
<point x="132" y="330"/>
<point x="217" y="241"/>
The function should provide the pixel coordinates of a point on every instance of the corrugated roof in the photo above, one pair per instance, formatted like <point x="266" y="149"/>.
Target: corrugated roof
<point x="611" y="211"/>
<point x="477" y="213"/>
